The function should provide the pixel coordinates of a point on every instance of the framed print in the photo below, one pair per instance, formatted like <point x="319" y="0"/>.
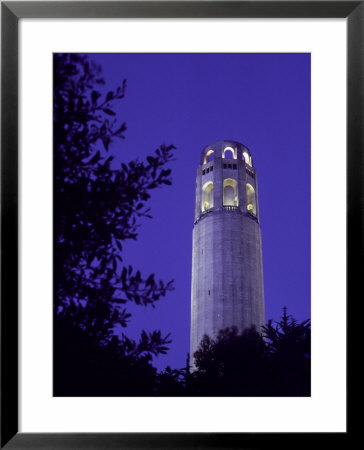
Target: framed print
<point x="247" y="92"/>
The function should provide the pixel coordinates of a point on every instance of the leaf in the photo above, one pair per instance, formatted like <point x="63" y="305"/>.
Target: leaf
<point x="109" y="111"/>
<point x="94" y="96"/>
<point x="150" y="280"/>
<point x="95" y="158"/>
<point x="121" y="129"/>
<point x="106" y="141"/>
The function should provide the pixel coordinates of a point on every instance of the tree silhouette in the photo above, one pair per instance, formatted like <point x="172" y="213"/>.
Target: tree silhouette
<point x="170" y="383"/>
<point x="231" y="365"/>
<point x="275" y="362"/>
<point x="289" y="352"/>
<point x="97" y="205"/>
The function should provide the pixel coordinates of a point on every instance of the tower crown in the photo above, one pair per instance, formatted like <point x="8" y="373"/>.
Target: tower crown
<point x="226" y="149"/>
<point x="226" y="180"/>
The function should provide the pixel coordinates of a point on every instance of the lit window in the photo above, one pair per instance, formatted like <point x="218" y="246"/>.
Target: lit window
<point x="247" y="158"/>
<point x="209" y="156"/>
<point x="229" y="153"/>
<point x="207" y="196"/>
<point x="250" y="199"/>
<point x="230" y="192"/>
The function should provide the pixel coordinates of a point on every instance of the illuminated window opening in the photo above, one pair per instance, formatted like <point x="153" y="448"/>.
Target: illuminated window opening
<point x="247" y="159"/>
<point x="230" y="191"/>
<point x="207" y="196"/>
<point x="251" y="200"/>
<point x="229" y="153"/>
<point x="209" y="156"/>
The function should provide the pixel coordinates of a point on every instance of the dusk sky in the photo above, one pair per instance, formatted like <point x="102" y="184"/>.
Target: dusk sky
<point x="192" y="100"/>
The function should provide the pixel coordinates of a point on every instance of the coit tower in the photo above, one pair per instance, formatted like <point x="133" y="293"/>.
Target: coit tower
<point x="227" y="270"/>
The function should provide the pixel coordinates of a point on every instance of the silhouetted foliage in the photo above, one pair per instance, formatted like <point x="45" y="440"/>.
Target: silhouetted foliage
<point x="275" y="362"/>
<point x="289" y="351"/>
<point x="84" y="368"/>
<point x="171" y="383"/>
<point x="231" y="365"/>
<point x="96" y="207"/>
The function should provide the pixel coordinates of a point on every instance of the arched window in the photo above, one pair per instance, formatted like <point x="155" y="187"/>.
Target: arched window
<point x="209" y="156"/>
<point x="251" y="204"/>
<point x="247" y="158"/>
<point x="229" y="153"/>
<point x="207" y="201"/>
<point x="230" y="192"/>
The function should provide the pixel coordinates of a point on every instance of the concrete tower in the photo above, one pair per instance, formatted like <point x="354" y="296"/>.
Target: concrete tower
<point x="227" y="270"/>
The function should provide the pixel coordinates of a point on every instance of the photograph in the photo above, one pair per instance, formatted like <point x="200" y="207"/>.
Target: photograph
<point x="182" y="224"/>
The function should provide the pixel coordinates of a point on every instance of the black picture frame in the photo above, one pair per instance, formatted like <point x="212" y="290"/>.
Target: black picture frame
<point x="11" y="12"/>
